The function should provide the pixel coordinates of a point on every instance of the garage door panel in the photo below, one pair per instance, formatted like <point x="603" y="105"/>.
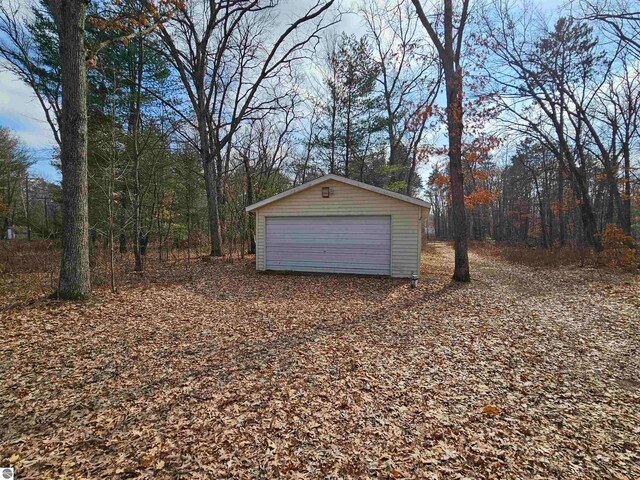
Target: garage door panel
<point x="335" y="219"/>
<point x="323" y="235"/>
<point x="347" y="244"/>
<point x="305" y="253"/>
<point x="362" y="265"/>
<point x="320" y="235"/>
<point x="319" y="228"/>
<point x="329" y="240"/>
<point x="322" y="268"/>
<point x="352" y="258"/>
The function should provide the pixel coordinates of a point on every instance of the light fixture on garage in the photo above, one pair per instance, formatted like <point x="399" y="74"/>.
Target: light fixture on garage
<point x="326" y="192"/>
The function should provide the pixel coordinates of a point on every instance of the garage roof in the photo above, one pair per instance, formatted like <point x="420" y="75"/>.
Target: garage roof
<point x="338" y="178"/>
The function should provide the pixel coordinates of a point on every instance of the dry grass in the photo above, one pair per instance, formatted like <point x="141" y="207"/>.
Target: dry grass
<point x="22" y="256"/>
<point x="213" y="371"/>
<point x="35" y="265"/>
<point x="620" y="256"/>
<point x="536" y="256"/>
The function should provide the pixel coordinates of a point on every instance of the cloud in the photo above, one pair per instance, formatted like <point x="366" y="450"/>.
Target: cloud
<point x="21" y="112"/>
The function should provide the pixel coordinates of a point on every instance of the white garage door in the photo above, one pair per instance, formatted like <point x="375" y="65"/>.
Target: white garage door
<point x="347" y="244"/>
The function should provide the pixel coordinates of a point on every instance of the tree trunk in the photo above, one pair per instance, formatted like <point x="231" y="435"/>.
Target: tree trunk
<point x="122" y="218"/>
<point x="626" y="225"/>
<point x="134" y="131"/>
<point x="561" y="226"/>
<point x="188" y="201"/>
<point x="212" y="201"/>
<point x="450" y="57"/>
<point x="220" y="191"/>
<point x="548" y="212"/>
<point x="210" y="180"/>
<point x="26" y="186"/>
<point x="75" y="281"/>
<point x="455" y="127"/>
<point x="390" y="130"/>
<point x="252" y="238"/>
<point x="112" y="276"/>
<point x="137" y="231"/>
<point x="580" y="188"/>
<point x="543" y="219"/>
<point x="332" y="158"/>
<point x="347" y="139"/>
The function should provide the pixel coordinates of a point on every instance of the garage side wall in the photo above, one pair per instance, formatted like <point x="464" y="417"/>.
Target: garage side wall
<point x="349" y="200"/>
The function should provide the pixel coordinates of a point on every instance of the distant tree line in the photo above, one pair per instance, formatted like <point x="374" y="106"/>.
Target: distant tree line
<point x="29" y="206"/>
<point x="568" y="94"/>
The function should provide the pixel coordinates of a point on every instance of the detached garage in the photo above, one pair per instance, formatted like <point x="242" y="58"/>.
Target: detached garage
<point x="338" y="225"/>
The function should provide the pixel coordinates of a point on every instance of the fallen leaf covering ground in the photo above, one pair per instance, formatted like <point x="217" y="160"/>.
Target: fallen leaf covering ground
<point x="216" y="371"/>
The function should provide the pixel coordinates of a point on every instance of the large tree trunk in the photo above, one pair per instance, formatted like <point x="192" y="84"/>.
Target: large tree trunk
<point x="626" y="224"/>
<point x="220" y="191"/>
<point x="137" y="217"/>
<point x="210" y="181"/>
<point x="580" y="189"/>
<point x="75" y="282"/>
<point x="393" y="160"/>
<point x="561" y="224"/>
<point x="134" y="133"/>
<point x="614" y="200"/>
<point x="212" y="201"/>
<point x="580" y="186"/>
<point x="543" y="217"/>
<point x="455" y="127"/>
<point x="252" y="238"/>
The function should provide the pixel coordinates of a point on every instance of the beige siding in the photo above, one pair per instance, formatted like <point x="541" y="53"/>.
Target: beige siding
<point x="350" y="200"/>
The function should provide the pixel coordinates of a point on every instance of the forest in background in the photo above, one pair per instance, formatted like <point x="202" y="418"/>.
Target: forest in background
<point x="196" y="110"/>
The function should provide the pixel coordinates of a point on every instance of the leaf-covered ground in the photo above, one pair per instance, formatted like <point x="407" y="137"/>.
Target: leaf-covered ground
<point x="219" y="372"/>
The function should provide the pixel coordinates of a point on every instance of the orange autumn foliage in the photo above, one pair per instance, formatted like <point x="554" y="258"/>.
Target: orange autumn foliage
<point x="480" y="197"/>
<point x="619" y="250"/>
<point x="122" y="25"/>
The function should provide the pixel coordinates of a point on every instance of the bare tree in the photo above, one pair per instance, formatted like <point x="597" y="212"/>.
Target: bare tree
<point x="407" y="77"/>
<point x="449" y="45"/>
<point x="553" y="78"/>
<point x="21" y="57"/>
<point x="309" y="127"/>
<point x="620" y="113"/>
<point x="620" y="21"/>
<point x="262" y="148"/>
<point x="218" y="49"/>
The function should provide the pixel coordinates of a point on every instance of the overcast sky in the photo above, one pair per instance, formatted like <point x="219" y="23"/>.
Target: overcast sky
<point x="20" y="111"/>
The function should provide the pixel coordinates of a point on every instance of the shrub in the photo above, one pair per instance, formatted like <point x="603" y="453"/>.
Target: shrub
<point x="619" y="250"/>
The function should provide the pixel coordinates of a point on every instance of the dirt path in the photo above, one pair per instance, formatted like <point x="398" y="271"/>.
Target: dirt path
<point x="592" y="317"/>
<point x="218" y="372"/>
